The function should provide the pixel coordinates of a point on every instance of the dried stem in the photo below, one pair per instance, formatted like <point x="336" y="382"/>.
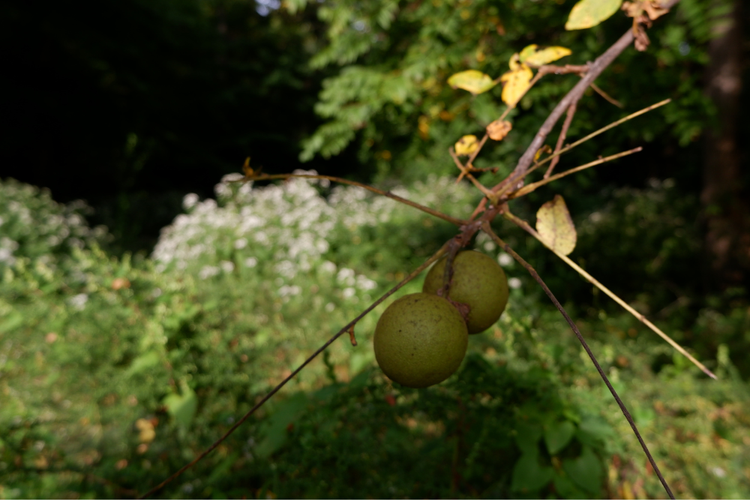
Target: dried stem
<point x="595" y="69"/>
<point x="431" y="211"/>
<point x="606" y="96"/>
<point x="526" y="227"/>
<point x="487" y="229"/>
<point x="281" y="384"/>
<point x="532" y="187"/>
<point x="561" y="138"/>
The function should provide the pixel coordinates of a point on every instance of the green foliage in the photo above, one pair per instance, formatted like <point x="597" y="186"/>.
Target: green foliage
<point x="112" y="382"/>
<point x="36" y="228"/>
<point x="393" y="63"/>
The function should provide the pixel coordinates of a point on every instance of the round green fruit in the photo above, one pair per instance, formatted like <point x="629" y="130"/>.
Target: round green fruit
<point x="420" y="340"/>
<point x="479" y="282"/>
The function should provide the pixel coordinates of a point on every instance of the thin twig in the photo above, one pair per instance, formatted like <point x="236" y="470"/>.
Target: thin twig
<point x="595" y="69"/>
<point x="526" y="227"/>
<point x="466" y="172"/>
<point x="561" y="137"/>
<point x="487" y="229"/>
<point x="431" y="211"/>
<point x="606" y="96"/>
<point x="506" y="186"/>
<point x="532" y="187"/>
<point x="281" y="384"/>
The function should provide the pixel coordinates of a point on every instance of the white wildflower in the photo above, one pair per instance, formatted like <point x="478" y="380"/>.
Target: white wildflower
<point x="251" y="262"/>
<point x="208" y="272"/>
<point x="227" y="266"/>
<point x="189" y="201"/>
<point x="505" y="259"/>
<point x="78" y="301"/>
<point x="328" y="267"/>
<point x="240" y="243"/>
<point x="514" y="283"/>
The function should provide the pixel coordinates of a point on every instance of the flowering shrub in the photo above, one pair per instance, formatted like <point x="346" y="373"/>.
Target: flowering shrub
<point x="34" y="226"/>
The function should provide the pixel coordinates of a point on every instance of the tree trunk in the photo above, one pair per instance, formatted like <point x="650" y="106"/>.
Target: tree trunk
<point x="725" y="211"/>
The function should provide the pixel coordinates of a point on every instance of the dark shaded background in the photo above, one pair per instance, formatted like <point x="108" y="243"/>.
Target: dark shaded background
<point x="132" y="104"/>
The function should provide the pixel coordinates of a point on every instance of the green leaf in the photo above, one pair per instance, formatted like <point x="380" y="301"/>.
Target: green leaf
<point x="558" y="435"/>
<point x="527" y="437"/>
<point x="472" y="80"/>
<point x="589" y="13"/>
<point x="143" y="362"/>
<point x="565" y="488"/>
<point x="13" y="321"/>
<point x="182" y="407"/>
<point x="593" y="430"/>
<point x="276" y="428"/>
<point x="529" y="475"/>
<point x="585" y="471"/>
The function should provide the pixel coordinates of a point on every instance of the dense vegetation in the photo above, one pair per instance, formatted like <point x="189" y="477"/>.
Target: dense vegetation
<point x="117" y="371"/>
<point x="117" y="368"/>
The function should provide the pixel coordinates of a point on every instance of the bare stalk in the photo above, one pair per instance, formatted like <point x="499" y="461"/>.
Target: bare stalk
<point x="526" y="227"/>
<point x="388" y="194"/>
<point x="487" y="229"/>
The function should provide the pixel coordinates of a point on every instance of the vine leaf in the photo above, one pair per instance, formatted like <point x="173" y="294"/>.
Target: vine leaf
<point x="544" y="56"/>
<point x="466" y="145"/>
<point x="555" y="227"/>
<point x="589" y="13"/>
<point x="472" y="80"/>
<point x="182" y="407"/>
<point x="558" y="435"/>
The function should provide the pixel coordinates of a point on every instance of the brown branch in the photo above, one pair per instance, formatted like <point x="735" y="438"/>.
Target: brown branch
<point x="487" y="229"/>
<point x="606" y="96"/>
<point x="595" y="69"/>
<point x="561" y="138"/>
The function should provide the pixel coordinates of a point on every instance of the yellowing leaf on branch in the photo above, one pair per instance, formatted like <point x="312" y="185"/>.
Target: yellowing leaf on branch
<point x="546" y="56"/>
<point x="498" y="129"/>
<point x="472" y="80"/>
<point x="589" y="13"/>
<point x="466" y="145"/>
<point x="555" y="227"/>
<point x="516" y="84"/>
<point x="527" y="52"/>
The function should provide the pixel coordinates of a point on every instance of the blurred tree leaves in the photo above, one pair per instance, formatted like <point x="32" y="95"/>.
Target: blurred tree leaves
<point x="130" y="104"/>
<point x="417" y="46"/>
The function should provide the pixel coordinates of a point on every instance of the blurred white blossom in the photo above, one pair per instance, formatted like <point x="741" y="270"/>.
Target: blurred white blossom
<point x="78" y="301"/>
<point x="505" y="259"/>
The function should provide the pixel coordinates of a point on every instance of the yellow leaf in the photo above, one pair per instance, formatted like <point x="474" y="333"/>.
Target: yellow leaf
<point x="527" y="51"/>
<point x="588" y="13"/>
<point x="472" y="80"/>
<point x="515" y="61"/>
<point x="466" y="145"/>
<point x="546" y="56"/>
<point x="516" y="84"/>
<point x="555" y="227"/>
